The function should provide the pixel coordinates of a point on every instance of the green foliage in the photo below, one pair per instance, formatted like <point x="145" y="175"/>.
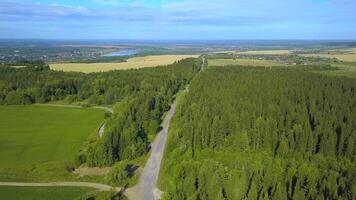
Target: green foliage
<point x="119" y="173"/>
<point x="27" y="85"/>
<point x="140" y="98"/>
<point x="256" y="133"/>
<point x="138" y="113"/>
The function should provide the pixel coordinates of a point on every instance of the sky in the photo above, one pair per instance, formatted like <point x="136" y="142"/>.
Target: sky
<point x="178" y="19"/>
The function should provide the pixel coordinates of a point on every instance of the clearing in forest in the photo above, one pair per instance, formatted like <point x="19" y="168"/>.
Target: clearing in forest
<point x="39" y="134"/>
<point x="251" y="62"/>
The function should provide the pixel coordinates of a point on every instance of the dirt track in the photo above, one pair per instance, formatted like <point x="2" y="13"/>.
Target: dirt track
<point x="101" y="187"/>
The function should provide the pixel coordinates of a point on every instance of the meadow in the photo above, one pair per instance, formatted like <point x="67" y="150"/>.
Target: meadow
<point x="132" y="63"/>
<point x="39" y="134"/>
<point x="252" y="62"/>
<point x="41" y="193"/>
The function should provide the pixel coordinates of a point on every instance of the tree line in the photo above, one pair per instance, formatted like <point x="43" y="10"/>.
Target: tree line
<point x="139" y="98"/>
<point x="257" y="133"/>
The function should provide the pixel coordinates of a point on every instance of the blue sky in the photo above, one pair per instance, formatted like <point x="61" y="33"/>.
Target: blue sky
<point x="178" y="19"/>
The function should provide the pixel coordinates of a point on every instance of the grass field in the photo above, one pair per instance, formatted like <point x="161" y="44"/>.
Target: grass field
<point x="224" y="62"/>
<point x="39" y="134"/>
<point x="41" y="193"/>
<point x="132" y="63"/>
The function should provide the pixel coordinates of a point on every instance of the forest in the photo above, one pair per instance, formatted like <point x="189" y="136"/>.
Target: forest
<point x="139" y="98"/>
<point x="262" y="133"/>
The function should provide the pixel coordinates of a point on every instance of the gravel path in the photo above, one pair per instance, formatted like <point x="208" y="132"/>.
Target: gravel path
<point x="150" y="173"/>
<point x="147" y="185"/>
<point x="110" y="110"/>
<point x="146" y="189"/>
<point x="98" y="186"/>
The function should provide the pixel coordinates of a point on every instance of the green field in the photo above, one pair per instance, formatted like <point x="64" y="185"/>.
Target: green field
<point x="250" y="62"/>
<point x="40" y="134"/>
<point x="41" y="193"/>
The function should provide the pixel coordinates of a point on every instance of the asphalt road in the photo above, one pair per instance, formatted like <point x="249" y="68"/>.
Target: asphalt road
<point x="150" y="173"/>
<point x="147" y="185"/>
<point x="146" y="190"/>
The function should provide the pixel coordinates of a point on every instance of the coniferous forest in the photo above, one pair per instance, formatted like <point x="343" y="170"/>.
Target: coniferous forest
<point x="139" y="98"/>
<point x="262" y="133"/>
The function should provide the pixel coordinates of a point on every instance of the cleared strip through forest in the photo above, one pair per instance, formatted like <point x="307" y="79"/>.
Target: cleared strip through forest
<point x="148" y="181"/>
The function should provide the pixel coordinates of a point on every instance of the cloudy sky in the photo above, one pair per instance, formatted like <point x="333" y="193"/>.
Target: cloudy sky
<point x="178" y="19"/>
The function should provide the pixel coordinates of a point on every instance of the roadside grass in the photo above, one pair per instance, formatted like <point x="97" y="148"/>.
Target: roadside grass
<point x="250" y="62"/>
<point x="38" y="143"/>
<point x="42" y="193"/>
<point x="132" y="63"/>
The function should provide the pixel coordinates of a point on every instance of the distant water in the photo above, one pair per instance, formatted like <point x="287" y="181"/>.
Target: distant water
<point x="124" y="52"/>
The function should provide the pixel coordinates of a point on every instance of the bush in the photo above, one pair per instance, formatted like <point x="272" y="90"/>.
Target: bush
<point x="119" y="174"/>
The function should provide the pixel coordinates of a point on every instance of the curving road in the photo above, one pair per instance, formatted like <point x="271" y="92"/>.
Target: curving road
<point x="98" y="186"/>
<point x="146" y="189"/>
<point x="110" y="110"/>
<point x="147" y="186"/>
<point x="150" y="173"/>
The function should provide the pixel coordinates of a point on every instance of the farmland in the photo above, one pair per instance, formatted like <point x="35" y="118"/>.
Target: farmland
<point x="267" y="52"/>
<point x="343" y="57"/>
<point x="40" y="193"/>
<point x="252" y="62"/>
<point x="132" y="63"/>
<point x="39" y="134"/>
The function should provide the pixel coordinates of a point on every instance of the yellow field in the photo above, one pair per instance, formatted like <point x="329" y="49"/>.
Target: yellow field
<point x="342" y="57"/>
<point x="348" y="50"/>
<point x="132" y="63"/>
<point x="224" y="62"/>
<point x="259" y="52"/>
<point x="267" y="52"/>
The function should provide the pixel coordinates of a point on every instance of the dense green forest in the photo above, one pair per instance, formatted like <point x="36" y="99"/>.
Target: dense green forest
<point x="37" y="84"/>
<point x="140" y="98"/>
<point x="262" y="133"/>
